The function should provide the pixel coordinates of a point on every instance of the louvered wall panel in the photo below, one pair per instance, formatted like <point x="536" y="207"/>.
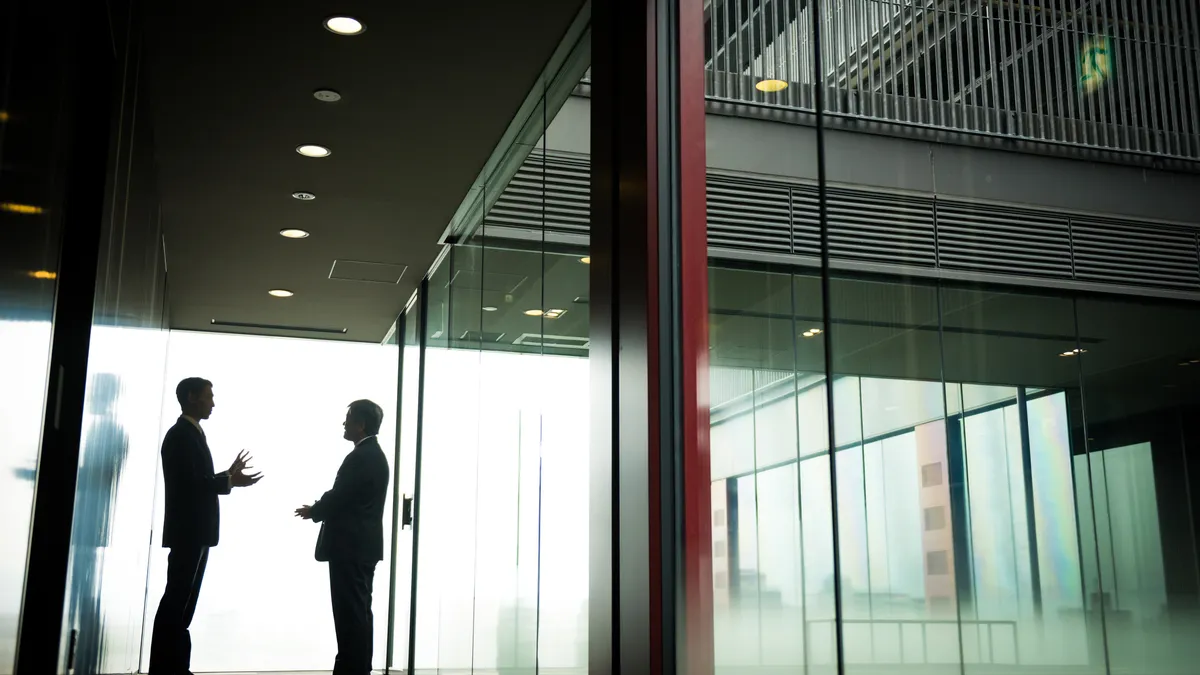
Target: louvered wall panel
<point x="867" y="227"/>
<point x="1131" y="254"/>
<point x="748" y="216"/>
<point x="554" y="194"/>
<point x="1002" y="240"/>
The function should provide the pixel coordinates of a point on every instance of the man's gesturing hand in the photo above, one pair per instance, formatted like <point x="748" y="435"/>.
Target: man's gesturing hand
<point x="237" y="471"/>
<point x="304" y="512"/>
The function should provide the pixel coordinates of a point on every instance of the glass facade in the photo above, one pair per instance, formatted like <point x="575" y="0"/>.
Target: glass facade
<point x="983" y="520"/>
<point x="502" y="571"/>
<point x="950" y="407"/>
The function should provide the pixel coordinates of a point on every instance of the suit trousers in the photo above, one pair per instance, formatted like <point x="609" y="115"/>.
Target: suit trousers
<point x="171" y="644"/>
<point x="350" y="589"/>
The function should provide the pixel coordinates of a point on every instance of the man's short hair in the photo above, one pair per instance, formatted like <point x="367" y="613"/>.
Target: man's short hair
<point x="189" y="387"/>
<point x="369" y="414"/>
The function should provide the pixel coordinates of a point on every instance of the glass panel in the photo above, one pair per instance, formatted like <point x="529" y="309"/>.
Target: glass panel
<point x="407" y="418"/>
<point x="900" y="488"/>
<point x="505" y="454"/>
<point x="290" y="420"/>
<point x="440" y="512"/>
<point x="31" y="132"/>
<point x="772" y="568"/>
<point x="1141" y="391"/>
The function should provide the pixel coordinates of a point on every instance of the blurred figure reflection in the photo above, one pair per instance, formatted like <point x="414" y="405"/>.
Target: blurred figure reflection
<point x="103" y="453"/>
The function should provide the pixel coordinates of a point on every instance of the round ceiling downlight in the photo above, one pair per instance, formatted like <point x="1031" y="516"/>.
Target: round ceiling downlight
<point x="771" y="86"/>
<point x="294" y="233"/>
<point x="281" y="292"/>
<point x="314" y="151"/>
<point x="304" y="196"/>
<point x="327" y="96"/>
<point x="344" y="25"/>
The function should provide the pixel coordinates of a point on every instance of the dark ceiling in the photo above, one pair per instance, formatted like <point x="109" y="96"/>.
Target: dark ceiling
<point x="427" y="91"/>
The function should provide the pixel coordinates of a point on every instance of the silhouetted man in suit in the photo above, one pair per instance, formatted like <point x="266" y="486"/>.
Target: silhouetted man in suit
<point x="192" y="523"/>
<point x="351" y="537"/>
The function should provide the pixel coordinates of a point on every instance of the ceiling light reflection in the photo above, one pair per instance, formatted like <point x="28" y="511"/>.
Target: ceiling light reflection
<point x="771" y="86"/>
<point x="23" y="209"/>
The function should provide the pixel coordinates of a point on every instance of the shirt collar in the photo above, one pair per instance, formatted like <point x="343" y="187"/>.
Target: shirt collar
<point x="194" y="422"/>
<point x="364" y="440"/>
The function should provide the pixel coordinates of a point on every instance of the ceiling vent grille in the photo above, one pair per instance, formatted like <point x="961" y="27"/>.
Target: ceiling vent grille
<point x="866" y="226"/>
<point x="1002" y="240"/>
<point x="1131" y="254"/>
<point x="748" y="216"/>
<point x="548" y="192"/>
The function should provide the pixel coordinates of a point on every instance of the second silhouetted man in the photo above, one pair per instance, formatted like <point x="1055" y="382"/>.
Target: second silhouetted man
<point x="351" y="537"/>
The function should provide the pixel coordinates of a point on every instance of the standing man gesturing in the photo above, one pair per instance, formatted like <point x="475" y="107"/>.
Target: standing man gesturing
<point x="192" y="523"/>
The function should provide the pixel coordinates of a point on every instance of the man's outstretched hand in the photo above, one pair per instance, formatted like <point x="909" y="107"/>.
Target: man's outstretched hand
<point x="237" y="471"/>
<point x="304" y="512"/>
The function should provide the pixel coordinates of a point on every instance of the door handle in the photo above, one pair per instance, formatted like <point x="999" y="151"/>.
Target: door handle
<point x="406" y="515"/>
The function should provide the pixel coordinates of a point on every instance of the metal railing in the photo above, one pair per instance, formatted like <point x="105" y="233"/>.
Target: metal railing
<point x="1120" y="75"/>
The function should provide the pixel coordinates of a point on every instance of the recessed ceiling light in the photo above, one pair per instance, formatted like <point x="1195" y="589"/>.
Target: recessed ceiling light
<point x="534" y="312"/>
<point x="304" y="196"/>
<point x="344" y="25"/>
<point x="809" y="333"/>
<point x="293" y="233"/>
<point x="555" y="313"/>
<point x="23" y="209"/>
<point x="771" y="86"/>
<point x="281" y="293"/>
<point x="489" y="309"/>
<point x="1074" y="352"/>
<point x="586" y="260"/>
<point x="327" y="96"/>
<point x="314" y="151"/>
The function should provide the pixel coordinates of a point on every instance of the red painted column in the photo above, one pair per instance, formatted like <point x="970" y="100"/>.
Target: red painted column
<point x="651" y="523"/>
<point x="697" y="475"/>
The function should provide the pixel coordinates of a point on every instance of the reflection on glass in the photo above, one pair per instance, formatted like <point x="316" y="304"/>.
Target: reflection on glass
<point x="994" y="510"/>
<point x="20" y="436"/>
<point x="266" y="600"/>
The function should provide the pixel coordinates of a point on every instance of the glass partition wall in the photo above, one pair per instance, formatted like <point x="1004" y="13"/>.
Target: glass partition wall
<point x="501" y="569"/>
<point x="1013" y="490"/>
<point x="953" y="340"/>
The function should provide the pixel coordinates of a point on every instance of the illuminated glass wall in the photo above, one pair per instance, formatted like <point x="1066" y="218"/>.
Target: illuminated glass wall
<point x="502" y="570"/>
<point x="265" y="601"/>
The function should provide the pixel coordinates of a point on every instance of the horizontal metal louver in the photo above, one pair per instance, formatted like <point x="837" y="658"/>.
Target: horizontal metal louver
<point x="1132" y="254"/>
<point x="867" y="227"/>
<point x="748" y="216"/>
<point x="547" y="192"/>
<point x="1002" y="240"/>
<point x="551" y="194"/>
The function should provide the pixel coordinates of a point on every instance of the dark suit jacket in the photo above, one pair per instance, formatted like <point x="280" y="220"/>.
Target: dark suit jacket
<point x="351" y="514"/>
<point x="193" y="516"/>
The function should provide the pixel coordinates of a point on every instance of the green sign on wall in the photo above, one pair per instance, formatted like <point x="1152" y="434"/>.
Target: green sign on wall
<point x="1094" y="63"/>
